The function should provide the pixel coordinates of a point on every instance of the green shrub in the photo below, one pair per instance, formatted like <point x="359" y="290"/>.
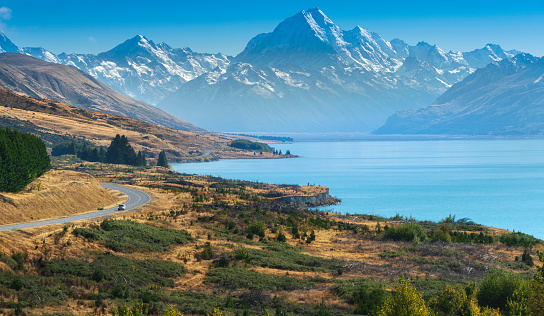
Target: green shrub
<point x="527" y="259"/>
<point x="406" y="232"/>
<point x="258" y="229"/>
<point x="279" y="255"/>
<point x="111" y="269"/>
<point x="519" y="240"/>
<point x="235" y="278"/>
<point x="241" y="253"/>
<point x="97" y="275"/>
<point x="405" y="300"/>
<point x="498" y="286"/>
<point x="390" y="254"/>
<point x="207" y="252"/>
<point x="16" y="284"/>
<point x="369" y="300"/>
<point x="129" y="236"/>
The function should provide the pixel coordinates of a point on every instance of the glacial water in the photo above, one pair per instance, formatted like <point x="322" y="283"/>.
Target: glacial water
<point x="493" y="182"/>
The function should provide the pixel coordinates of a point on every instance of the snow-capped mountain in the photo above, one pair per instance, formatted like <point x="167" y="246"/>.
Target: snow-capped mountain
<point x="34" y="77"/>
<point x="504" y="98"/>
<point x="309" y="75"/>
<point x="144" y="70"/>
<point x="138" y="67"/>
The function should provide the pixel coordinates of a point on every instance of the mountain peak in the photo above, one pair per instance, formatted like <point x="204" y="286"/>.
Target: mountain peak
<point x="132" y="46"/>
<point x="6" y="45"/>
<point x="308" y="32"/>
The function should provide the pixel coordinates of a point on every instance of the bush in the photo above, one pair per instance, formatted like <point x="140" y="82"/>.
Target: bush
<point x="279" y="255"/>
<point x="236" y="278"/>
<point x="369" y="300"/>
<point x="498" y="286"/>
<point x="406" y="232"/>
<point x="535" y="300"/>
<point x="207" y="252"/>
<point x="16" y="284"/>
<point x="405" y="300"/>
<point x="129" y="236"/>
<point x="241" y="253"/>
<point x="110" y="269"/>
<point x="258" y="229"/>
<point x="527" y="259"/>
<point x="519" y="240"/>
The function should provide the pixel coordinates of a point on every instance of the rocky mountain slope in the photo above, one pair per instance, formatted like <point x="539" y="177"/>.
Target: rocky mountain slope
<point x="137" y="68"/>
<point x="309" y="75"/>
<point x="504" y="98"/>
<point x="37" y="78"/>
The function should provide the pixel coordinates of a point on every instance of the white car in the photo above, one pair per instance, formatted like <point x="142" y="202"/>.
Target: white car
<point x="121" y="207"/>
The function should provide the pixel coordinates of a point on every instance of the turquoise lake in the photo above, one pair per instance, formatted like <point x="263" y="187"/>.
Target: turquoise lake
<point x="493" y="182"/>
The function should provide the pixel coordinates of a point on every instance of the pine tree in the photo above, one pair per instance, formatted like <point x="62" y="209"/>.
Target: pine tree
<point x="23" y="158"/>
<point x="120" y="151"/>
<point x="163" y="161"/>
<point x="72" y="149"/>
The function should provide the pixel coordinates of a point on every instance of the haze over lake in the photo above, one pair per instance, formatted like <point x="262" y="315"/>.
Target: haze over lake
<point x="493" y="182"/>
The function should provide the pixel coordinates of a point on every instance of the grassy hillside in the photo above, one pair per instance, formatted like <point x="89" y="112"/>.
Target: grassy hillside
<point x="57" y="193"/>
<point x="57" y="122"/>
<point x="40" y="79"/>
<point x="236" y="247"/>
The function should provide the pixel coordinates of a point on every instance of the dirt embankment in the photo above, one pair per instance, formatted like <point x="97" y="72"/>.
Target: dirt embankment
<point x="58" y="193"/>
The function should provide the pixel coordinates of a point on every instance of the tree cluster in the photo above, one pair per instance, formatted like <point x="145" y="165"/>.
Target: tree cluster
<point x="23" y="158"/>
<point x="249" y="145"/>
<point x="82" y="151"/>
<point x="119" y="152"/>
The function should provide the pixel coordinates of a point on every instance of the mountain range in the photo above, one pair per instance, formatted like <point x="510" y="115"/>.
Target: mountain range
<point x="307" y="75"/>
<point x="45" y="80"/>
<point x="504" y="98"/>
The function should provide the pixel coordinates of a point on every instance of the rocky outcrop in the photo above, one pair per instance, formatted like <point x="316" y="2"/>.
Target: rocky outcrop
<point x="320" y="199"/>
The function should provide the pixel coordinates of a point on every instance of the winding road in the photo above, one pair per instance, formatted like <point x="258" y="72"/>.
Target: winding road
<point x="135" y="198"/>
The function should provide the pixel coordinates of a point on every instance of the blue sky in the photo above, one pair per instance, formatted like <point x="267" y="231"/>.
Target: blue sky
<point x="227" y="26"/>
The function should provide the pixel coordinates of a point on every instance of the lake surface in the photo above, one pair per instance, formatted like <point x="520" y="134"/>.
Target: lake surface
<point x="493" y="182"/>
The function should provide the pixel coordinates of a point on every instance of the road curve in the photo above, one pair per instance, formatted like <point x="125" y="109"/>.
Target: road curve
<point x="135" y="198"/>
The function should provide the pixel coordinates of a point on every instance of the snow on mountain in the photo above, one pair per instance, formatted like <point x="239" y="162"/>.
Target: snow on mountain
<point x="505" y="97"/>
<point x="143" y="70"/>
<point x="7" y="46"/>
<point x="34" y="77"/>
<point x="306" y="75"/>
<point x="309" y="75"/>
<point x="138" y="67"/>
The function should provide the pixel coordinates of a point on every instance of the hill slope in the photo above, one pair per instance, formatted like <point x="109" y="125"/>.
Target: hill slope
<point x="505" y="98"/>
<point x="137" y="67"/>
<point x="57" y="122"/>
<point x="57" y="193"/>
<point x="37" y="78"/>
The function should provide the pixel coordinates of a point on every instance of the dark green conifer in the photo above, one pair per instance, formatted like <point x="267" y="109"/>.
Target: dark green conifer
<point x="163" y="161"/>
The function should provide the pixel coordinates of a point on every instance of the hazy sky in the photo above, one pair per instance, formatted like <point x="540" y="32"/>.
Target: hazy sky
<point x="93" y="26"/>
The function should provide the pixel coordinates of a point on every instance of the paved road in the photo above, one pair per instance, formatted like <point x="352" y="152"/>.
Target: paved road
<point x="135" y="198"/>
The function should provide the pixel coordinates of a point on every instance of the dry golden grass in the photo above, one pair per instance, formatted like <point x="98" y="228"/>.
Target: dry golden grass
<point x="53" y="118"/>
<point x="57" y="193"/>
<point x="361" y="252"/>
